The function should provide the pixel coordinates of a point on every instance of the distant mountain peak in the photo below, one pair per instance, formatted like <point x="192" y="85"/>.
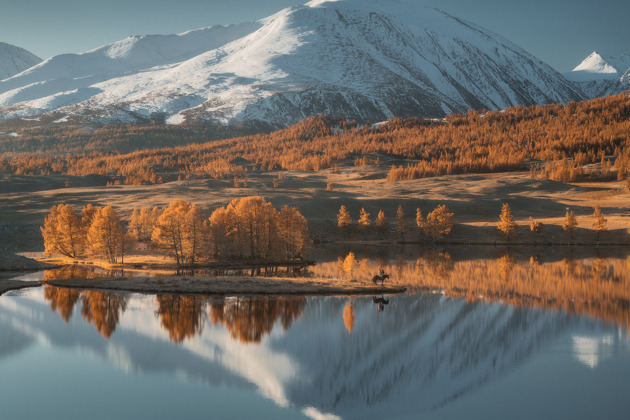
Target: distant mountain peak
<point x="14" y="60"/>
<point x="600" y="67"/>
<point x="601" y="75"/>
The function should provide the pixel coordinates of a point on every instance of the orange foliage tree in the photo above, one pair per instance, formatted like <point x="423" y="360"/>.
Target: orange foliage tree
<point x="381" y="222"/>
<point x="599" y="221"/>
<point x="106" y="235"/>
<point x="570" y="223"/>
<point x="440" y="221"/>
<point x="344" y="220"/>
<point x="180" y="231"/>
<point x="142" y="223"/>
<point x="63" y="232"/>
<point x="507" y="225"/>
<point x="251" y="228"/>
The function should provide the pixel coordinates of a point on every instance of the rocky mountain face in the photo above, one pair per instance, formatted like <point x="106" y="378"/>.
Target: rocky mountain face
<point x="357" y="59"/>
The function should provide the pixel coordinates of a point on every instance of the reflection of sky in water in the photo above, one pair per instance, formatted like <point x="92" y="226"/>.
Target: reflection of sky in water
<point x="591" y="351"/>
<point x="423" y="355"/>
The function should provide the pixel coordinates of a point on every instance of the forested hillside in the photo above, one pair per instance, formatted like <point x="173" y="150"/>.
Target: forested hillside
<point x="554" y="141"/>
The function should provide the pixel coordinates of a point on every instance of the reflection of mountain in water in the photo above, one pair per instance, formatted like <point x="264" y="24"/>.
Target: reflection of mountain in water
<point x="418" y="354"/>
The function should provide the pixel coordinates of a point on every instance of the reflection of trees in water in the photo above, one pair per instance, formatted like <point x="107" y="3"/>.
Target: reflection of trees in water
<point x="506" y="265"/>
<point x="181" y="315"/>
<point x="249" y="319"/>
<point x="62" y="299"/>
<point x="598" y="287"/>
<point x="437" y="263"/>
<point x="101" y="308"/>
<point x="348" y="316"/>
<point x="77" y="272"/>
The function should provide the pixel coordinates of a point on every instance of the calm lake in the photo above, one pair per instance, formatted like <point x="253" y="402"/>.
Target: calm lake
<point x="512" y="336"/>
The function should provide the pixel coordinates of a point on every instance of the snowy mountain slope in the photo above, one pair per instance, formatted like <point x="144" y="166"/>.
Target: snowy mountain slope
<point x="599" y="75"/>
<point x="14" y="60"/>
<point x="367" y="60"/>
<point x="74" y="75"/>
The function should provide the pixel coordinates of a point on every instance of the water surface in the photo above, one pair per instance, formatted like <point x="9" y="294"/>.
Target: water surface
<point x="506" y="337"/>
<point x="134" y="356"/>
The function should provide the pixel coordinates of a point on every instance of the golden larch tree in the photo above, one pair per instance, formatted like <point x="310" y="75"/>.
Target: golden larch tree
<point x="251" y="228"/>
<point x="420" y="222"/>
<point x="382" y="222"/>
<point x="257" y="221"/>
<point x="222" y="230"/>
<point x="106" y="235"/>
<point x="87" y="214"/>
<point x="348" y="264"/>
<point x="293" y="231"/>
<point x="440" y="221"/>
<point x="599" y="221"/>
<point x="570" y="223"/>
<point x="344" y="220"/>
<point x="63" y="232"/>
<point x="180" y="231"/>
<point x="364" y="219"/>
<point x="507" y="225"/>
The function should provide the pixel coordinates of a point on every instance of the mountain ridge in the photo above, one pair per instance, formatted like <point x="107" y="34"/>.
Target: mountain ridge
<point x="361" y="60"/>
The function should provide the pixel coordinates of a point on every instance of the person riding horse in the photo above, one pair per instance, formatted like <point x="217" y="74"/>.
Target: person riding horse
<point x="380" y="276"/>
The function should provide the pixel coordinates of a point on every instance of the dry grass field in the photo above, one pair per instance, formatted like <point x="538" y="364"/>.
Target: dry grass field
<point x="475" y="200"/>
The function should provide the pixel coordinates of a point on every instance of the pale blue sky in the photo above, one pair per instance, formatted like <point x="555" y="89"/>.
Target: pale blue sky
<point x="559" y="32"/>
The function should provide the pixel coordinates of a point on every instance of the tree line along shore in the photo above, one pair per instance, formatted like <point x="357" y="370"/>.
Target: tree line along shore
<point x="252" y="230"/>
<point x="247" y="229"/>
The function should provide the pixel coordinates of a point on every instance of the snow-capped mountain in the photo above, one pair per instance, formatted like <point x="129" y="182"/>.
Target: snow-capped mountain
<point x="14" y="60"/>
<point x="360" y="59"/>
<point x="600" y="75"/>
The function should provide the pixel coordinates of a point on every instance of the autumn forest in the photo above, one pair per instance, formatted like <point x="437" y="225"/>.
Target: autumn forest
<point x="553" y="142"/>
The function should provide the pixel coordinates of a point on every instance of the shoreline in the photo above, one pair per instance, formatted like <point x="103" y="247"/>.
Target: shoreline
<point x="10" y="285"/>
<point x="228" y="286"/>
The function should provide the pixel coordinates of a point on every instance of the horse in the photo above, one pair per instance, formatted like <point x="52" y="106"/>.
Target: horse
<point x="381" y="278"/>
<point x="381" y="302"/>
